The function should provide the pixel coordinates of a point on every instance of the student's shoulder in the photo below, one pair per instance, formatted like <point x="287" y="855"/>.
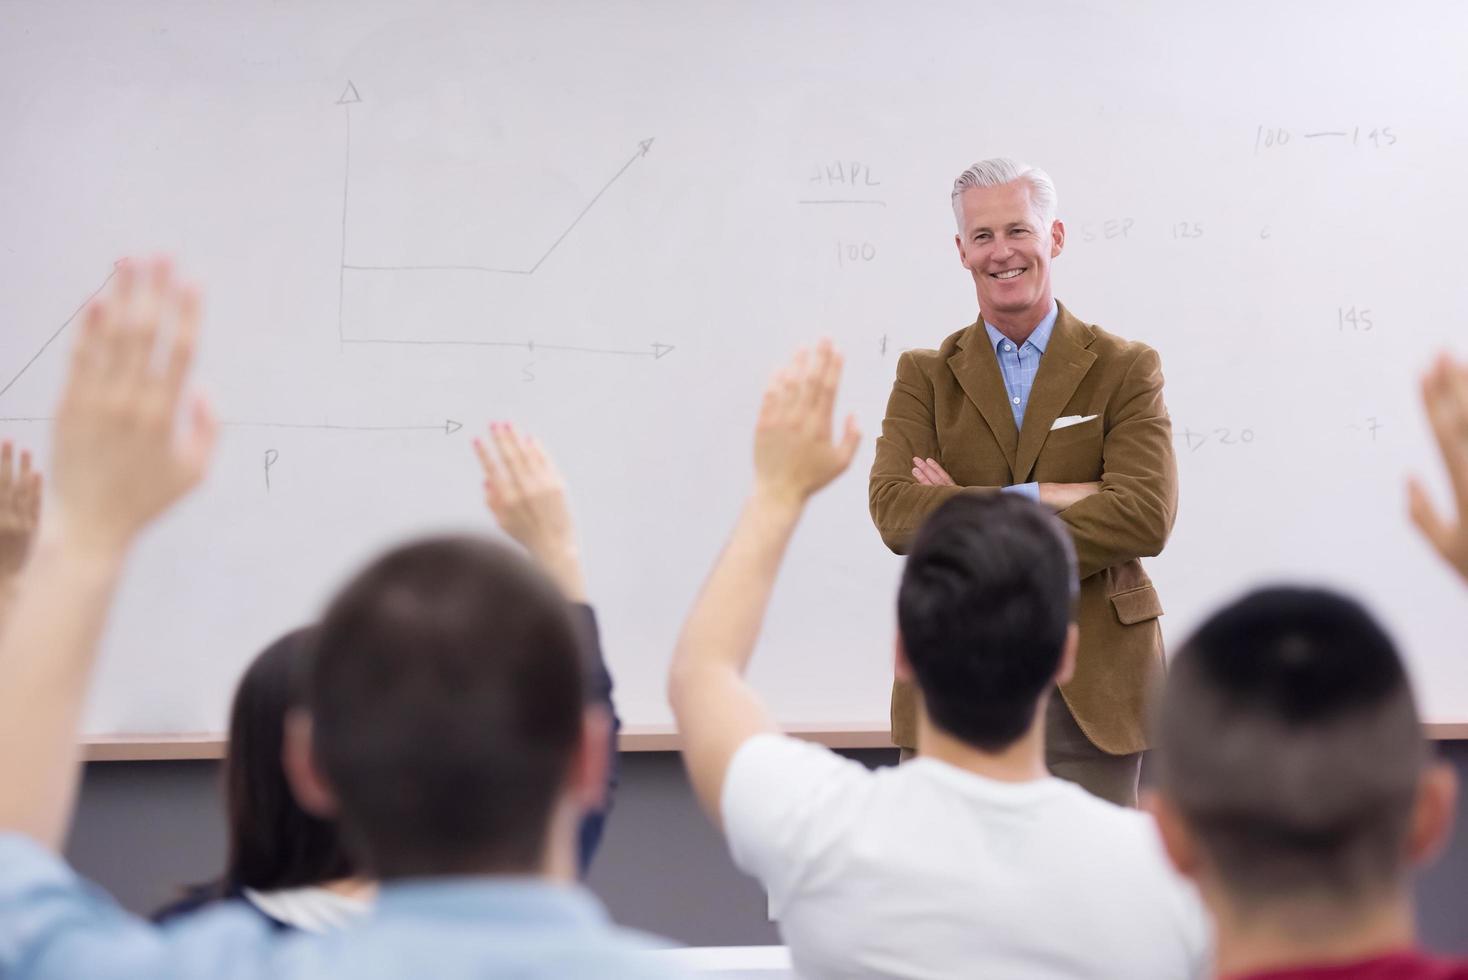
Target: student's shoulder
<point x="773" y="755"/>
<point x="774" y="779"/>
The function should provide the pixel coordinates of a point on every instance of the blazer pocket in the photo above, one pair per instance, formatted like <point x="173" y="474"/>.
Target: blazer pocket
<point x="1073" y="435"/>
<point x="1137" y="605"/>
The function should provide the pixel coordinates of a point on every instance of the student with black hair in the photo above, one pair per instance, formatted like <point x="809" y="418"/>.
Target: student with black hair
<point x="287" y="864"/>
<point x="1294" y="783"/>
<point x="443" y="722"/>
<point x="971" y="860"/>
<point x="291" y="866"/>
<point x="1296" y="788"/>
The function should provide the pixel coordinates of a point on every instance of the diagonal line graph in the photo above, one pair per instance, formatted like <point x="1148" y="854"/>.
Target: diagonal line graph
<point x="448" y="426"/>
<point x="53" y="338"/>
<point x="348" y="98"/>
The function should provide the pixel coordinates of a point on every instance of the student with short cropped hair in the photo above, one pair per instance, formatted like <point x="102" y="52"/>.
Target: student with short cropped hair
<point x="972" y="860"/>
<point x="1296" y="788"/>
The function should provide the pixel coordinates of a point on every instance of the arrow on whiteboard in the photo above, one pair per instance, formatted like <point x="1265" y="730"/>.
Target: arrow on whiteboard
<point x="349" y="95"/>
<point x="643" y="148"/>
<point x="448" y="426"/>
<point x="59" y="331"/>
<point x="655" y="351"/>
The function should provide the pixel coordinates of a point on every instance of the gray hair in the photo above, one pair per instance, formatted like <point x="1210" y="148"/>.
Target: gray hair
<point x="1003" y="170"/>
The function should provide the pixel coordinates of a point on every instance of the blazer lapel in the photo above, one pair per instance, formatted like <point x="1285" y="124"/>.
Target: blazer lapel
<point x="977" y="371"/>
<point x="1064" y="363"/>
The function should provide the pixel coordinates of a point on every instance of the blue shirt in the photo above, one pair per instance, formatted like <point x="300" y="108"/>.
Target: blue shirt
<point x="1019" y="363"/>
<point x="55" y="925"/>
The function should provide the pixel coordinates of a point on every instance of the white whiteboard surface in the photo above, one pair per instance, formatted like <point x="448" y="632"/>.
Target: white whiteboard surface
<point x="1270" y="194"/>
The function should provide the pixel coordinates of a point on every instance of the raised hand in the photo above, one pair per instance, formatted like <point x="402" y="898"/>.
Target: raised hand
<point x="528" y="497"/>
<point x="1445" y="397"/>
<point x="121" y="457"/>
<point x="20" y="508"/>
<point x="793" y="452"/>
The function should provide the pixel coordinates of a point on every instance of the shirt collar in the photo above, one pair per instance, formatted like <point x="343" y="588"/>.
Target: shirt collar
<point x="504" y="900"/>
<point x="1041" y="336"/>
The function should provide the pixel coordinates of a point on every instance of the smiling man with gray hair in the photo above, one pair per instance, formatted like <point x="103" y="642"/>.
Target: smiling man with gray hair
<point x="1030" y="399"/>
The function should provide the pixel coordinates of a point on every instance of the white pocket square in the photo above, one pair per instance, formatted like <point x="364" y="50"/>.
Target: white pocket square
<point x="1066" y="421"/>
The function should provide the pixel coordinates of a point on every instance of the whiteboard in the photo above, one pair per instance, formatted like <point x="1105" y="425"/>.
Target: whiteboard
<point x="608" y="221"/>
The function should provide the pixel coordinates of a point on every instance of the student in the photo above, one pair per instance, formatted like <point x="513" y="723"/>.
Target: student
<point x="444" y="728"/>
<point x="1296" y="789"/>
<point x="972" y="860"/>
<point x="1295" y="785"/>
<point x="292" y="867"/>
<point x="20" y="513"/>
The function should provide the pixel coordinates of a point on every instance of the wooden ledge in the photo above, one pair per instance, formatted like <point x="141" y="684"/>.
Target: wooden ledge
<point x="634" y="738"/>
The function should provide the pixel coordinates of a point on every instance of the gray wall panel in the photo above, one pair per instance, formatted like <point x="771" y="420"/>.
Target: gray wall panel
<point x="142" y="829"/>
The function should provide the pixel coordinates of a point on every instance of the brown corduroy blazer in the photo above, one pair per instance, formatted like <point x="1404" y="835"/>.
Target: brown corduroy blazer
<point x="951" y="405"/>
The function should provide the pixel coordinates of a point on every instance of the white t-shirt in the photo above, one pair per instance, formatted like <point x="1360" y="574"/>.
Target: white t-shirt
<point x="926" y="871"/>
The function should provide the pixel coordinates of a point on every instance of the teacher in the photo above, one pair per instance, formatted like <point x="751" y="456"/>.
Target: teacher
<point x="1029" y="399"/>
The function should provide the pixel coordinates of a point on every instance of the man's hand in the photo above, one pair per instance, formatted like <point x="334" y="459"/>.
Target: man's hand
<point x="1063" y="495"/>
<point x="1445" y="396"/>
<point x="120" y="458"/>
<point x="20" y="509"/>
<point x="930" y="474"/>
<point x="793" y="452"/>
<point x="528" y="497"/>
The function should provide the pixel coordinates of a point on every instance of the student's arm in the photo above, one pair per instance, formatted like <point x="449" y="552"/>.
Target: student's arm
<point x="118" y="461"/>
<point x="528" y="497"/>
<point x="716" y="710"/>
<point x="20" y="512"/>
<point x="1445" y="397"/>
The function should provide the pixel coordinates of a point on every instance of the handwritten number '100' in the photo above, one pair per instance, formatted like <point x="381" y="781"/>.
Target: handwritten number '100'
<point x="849" y="253"/>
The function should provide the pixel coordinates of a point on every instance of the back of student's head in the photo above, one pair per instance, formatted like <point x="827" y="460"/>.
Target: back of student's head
<point x="1289" y="744"/>
<point x="447" y="708"/>
<point x="273" y="842"/>
<point x="983" y="610"/>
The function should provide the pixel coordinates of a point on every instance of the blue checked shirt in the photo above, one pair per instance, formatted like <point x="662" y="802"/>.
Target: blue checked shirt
<point x="1019" y="364"/>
